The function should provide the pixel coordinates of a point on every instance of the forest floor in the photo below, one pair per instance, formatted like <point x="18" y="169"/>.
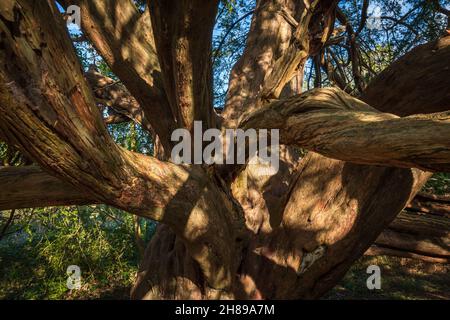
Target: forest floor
<point x="401" y="278"/>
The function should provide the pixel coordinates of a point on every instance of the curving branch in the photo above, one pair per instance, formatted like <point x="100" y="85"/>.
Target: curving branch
<point x="359" y="201"/>
<point x="303" y="45"/>
<point x="363" y="19"/>
<point x="268" y="39"/>
<point x="339" y="126"/>
<point x="115" y="96"/>
<point x="353" y="50"/>
<point x="222" y="41"/>
<point x="430" y="74"/>
<point x="48" y="111"/>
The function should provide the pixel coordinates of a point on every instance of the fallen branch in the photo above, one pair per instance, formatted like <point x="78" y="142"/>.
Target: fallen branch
<point x="411" y="235"/>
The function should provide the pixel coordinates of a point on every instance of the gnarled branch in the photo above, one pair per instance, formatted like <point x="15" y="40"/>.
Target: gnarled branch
<point x="268" y="40"/>
<point x="118" y="98"/>
<point x="303" y="44"/>
<point x="47" y="109"/>
<point x="431" y="73"/>
<point x="338" y="126"/>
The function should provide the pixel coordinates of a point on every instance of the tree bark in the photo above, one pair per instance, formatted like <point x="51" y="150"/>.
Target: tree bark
<point x="183" y="34"/>
<point x="427" y="203"/>
<point x="29" y="186"/>
<point x="339" y="126"/>
<point x="49" y="112"/>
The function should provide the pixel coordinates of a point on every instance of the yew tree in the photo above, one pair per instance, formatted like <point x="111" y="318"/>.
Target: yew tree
<point x="224" y="231"/>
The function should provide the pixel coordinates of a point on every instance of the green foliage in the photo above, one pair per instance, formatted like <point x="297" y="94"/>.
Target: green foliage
<point x="132" y="137"/>
<point x="403" y="26"/>
<point x="439" y="183"/>
<point x="42" y="243"/>
<point x="230" y="34"/>
<point x="9" y="156"/>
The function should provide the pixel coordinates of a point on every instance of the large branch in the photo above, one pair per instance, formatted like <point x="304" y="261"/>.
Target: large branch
<point x="47" y="109"/>
<point x="336" y="210"/>
<point x="425" y="237"/>
<point x="29" y="187"/>
<point x="429" y="203"/>
<point x="339" y="126"/>
<point x="115" y="96"/>
<point x="183" y="32"/>
<point x="283" y="34"/>
<point x="308" y="39"/>
<point x="124" y="38"/>
<point x="430" y="63"/>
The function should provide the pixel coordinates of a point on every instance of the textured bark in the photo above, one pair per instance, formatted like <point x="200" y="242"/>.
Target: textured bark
<point x="335" y="210"/>
<point x="268" y="40"/>
<point x="114" y="95"/>
<point x="183" y="33"/>
<point x="304" y="43"/>
<point x="339" y="126"/>
<point x="427" y="203"/>
<point x="425" y="237"/>
<point x="380" y="251"/>
<point x="47" y="109"/>
<point x="432" y="73"/>
<point x="358" y="201"/>
<point x="29" y="186"/>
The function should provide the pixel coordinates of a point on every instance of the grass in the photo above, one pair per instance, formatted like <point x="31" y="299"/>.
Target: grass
<point x="24" y="276"/>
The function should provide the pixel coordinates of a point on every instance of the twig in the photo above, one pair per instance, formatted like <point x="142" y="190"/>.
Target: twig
<point x="219" y="47"/>
<point x="8" y="223"/>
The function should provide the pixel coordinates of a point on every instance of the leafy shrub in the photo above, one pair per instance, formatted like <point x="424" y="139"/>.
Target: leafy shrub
<point x="42" y="243"/>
